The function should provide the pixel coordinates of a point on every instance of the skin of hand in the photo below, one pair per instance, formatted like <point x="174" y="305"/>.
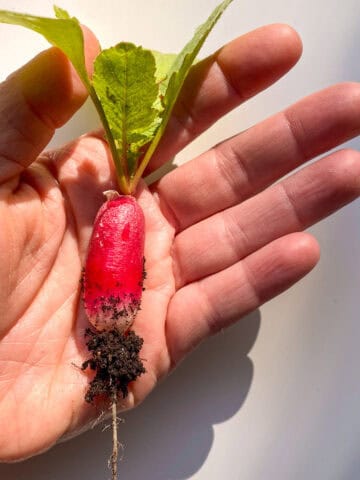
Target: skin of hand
<point x="223" y="235"/>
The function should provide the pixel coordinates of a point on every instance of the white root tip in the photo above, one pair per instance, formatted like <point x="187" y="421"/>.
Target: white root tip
<point x="111" y="194"/>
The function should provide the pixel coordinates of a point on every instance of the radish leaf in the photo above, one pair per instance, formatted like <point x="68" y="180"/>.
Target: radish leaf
<point x="61" y="13"/>
<point x="125" y="84"/>
<point x="63" y="32"/>
<point x="134" y="90"/>
<point x="163" y="61"/>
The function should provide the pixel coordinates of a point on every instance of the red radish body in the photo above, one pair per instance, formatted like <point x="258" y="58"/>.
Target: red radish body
<point x="114" y="270"/>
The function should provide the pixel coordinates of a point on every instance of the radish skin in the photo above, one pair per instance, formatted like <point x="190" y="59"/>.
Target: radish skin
<point x="114" y="270"/>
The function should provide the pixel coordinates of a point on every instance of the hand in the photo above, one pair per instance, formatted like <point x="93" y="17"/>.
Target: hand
<point x="221" y="237"/>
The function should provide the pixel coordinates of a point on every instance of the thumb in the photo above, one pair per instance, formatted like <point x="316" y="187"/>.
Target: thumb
<point x="35" y="100"/>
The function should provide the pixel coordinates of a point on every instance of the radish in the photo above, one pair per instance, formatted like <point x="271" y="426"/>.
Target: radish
<point x="114" y="271"/>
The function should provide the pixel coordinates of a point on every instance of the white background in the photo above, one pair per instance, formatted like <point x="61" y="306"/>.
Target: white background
<point x="288" y="407"/>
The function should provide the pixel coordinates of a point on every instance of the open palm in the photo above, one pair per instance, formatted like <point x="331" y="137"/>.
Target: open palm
<point x="221" y="237"/>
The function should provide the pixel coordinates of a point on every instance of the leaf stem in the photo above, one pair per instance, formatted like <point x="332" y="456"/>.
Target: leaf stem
<point x="121" y="176"/>
<point x="147" y="157"/>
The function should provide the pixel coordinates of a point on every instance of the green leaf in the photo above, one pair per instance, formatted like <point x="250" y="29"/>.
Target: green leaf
<point x="177" y="74"/>
<point x="63" y="32"/>
<point x="61" y="13"/>
<point x="134" y="90"/>
<point x="164" y="62"/>
<point x="125" y="83"/>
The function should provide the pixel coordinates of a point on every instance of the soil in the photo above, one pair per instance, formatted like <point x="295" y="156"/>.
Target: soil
<point x="115" y="360"/>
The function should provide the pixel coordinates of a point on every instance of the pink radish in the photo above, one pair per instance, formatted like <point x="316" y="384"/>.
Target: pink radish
<point x="114" y="271"/>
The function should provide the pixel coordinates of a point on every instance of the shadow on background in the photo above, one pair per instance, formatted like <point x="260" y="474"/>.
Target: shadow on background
<point x="171" y="434"/>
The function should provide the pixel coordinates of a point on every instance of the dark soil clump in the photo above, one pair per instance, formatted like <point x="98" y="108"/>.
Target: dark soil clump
<point x="115" y="360"/>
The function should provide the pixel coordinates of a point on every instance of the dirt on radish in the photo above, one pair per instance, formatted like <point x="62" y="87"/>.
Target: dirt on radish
<point x="115" y="360"/>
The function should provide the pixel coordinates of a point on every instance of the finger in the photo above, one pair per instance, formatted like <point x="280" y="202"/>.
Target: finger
<point x="249" y="162"/>
<point x="289" y="206"/>
<point x="217" y="301"/>
<point x="221" y="82"/>
<point x="34" y="101"/>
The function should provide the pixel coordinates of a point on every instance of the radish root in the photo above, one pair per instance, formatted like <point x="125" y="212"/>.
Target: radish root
<point x="115" y="447"/>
